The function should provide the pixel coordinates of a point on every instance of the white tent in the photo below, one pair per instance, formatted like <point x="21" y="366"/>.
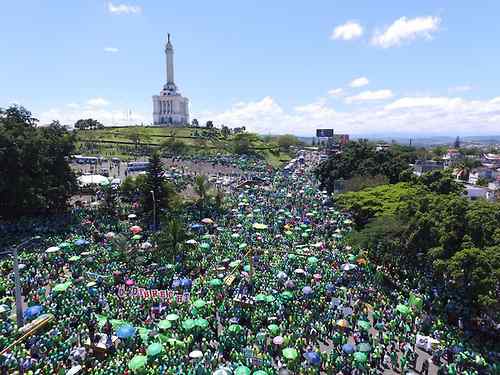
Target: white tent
<point x="92" y="179"/>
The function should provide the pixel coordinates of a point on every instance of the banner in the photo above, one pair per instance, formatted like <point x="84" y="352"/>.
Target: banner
<point x="161" y="294"/>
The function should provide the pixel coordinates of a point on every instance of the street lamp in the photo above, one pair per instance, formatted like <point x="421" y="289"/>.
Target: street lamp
<point x="17" y="280"/>
<point x="154" y="209"/>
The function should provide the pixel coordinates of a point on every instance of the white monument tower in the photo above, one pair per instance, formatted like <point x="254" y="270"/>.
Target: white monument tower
<point x="170" y="108"/>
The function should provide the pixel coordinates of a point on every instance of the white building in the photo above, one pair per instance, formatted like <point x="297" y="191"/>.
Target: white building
<point x="170" y="108"/>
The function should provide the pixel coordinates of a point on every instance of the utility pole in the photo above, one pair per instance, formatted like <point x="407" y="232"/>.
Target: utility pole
<point x="154" y="209"/>
<point x="17" y="280"/>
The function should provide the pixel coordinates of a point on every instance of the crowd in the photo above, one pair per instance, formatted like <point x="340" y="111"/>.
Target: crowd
<point x="268" y="287"/>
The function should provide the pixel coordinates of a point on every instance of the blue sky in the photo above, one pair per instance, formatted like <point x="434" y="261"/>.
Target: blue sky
<point x="391" y="67"/>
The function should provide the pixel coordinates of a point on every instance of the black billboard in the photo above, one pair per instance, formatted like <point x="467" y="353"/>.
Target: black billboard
<point x="324" y="133"/>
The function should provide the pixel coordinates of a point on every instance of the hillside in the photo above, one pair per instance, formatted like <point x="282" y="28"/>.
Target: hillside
<point x="126" y="142"/>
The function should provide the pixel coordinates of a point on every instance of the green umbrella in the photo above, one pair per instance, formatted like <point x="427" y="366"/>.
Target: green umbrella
<point x="363" y="324"/>
<point x="259" y="372"/>
<point x="290" y="353"/>
<point x="292" y="256"/>
<point x="172" y="317"/>
<point x="138" y="362"/>
<point x="288" y="233"/>
<point x="312" y="260"/>
<point x="188" y="324"/>
<point x="259" y="226"/>
<point x="202" y="323"/>
<point x="242" y="370"/>
<point x="136" y="237"/>
<point x="74" y="258"/>
<point x="270" y="299"/>
<point x="242" y="246"/>
<point x="403" y="309"/>
<point x="274" y="329"/>
<point x="154" y="349"/>
<point x="260" y="297"/>
<point x="234" y="328"/>
<point x="164" y="324"/>
<point x="352" y="258"/>
<point x="205" y="246"/>
<point x="199" y="303"/>
<point x="286" y="295"/>
<point x="215" y="283"/>
<point x="222" y="371"/>
<point x="360" y="357"/>
<point x="61" y="287"/>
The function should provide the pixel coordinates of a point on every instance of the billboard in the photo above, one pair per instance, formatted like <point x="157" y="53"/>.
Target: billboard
<point x="341" y="139"/>
<point x="324" y="133"/>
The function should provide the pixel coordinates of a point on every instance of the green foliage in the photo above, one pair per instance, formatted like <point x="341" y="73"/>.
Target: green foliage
<point x="360" y="158"/>
<point x="286" y="141"/>
<point x="88" y="124"/>
<point x="442" y="182"/>
<point x="174" y="146"/>
<point x="171" y="240"/>
<point x="416" y="228"/>
<point x="35" y="177"/>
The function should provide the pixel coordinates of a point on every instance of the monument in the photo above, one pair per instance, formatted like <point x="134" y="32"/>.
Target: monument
<point x="170" y="108"/>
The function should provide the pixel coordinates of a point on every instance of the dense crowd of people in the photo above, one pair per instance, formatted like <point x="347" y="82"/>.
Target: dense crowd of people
<point x="269" y="286"/>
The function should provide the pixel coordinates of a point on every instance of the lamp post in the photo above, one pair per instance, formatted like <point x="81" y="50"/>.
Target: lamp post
<point x="17" y="280"/>
<point x="154" y="209"/>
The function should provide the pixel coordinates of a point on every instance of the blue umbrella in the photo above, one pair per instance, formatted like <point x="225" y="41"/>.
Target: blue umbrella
<point x="186" y="283"/>
<point x="81" y="242"/>
<point x="330" y="288"/>
<point x="176" y="283"/>
<point x="197" y="227"/>
<point x="125" y="331"/>
<point x="307" y="290"/>
<point x="348" y="348"/>
<point x="33" y="311"/>
<point x="313" y="358"/>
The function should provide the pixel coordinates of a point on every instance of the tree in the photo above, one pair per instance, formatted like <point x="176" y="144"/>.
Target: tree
<point x="286" y="141"/>
<point x="35" y="177"/>
<point x="171" y="240"/>
<point x="195" y="123"/>
<point x="174" y="146"/>
<point x="202" y="189"/>
<point x="153" y="191"/>
<point x="209" y="124"/>
<point x="90" y="124"/>
<point x="456" y="144"/>
<point x="481" y="181"/>
<point x="225" y="131"/>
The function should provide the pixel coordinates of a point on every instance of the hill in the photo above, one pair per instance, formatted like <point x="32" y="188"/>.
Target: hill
<point x="128" y="142"/>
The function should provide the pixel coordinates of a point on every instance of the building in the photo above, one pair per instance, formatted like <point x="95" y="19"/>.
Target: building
<point x="423" y="166"/>
<point x="170" y="108"/>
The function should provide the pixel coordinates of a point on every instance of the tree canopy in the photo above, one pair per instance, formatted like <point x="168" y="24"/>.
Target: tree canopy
<point x="35" y="177"/>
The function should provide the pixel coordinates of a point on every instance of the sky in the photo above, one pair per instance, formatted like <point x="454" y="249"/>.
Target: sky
<point x="427" y="67"/>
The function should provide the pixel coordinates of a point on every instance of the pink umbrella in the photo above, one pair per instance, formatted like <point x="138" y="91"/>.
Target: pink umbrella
<point x="317" y="277"/>
<point x="278" y="340"/>
<point x="135" y="229"/>
<point x="129" y="282"/>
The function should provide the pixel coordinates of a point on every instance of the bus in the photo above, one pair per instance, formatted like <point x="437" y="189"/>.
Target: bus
<point x="79" y="159"/>
<point x="137" y="166"/>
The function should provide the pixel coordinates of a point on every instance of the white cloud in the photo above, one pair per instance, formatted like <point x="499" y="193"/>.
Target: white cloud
<point x="359" y="82"/>
<point x="73" y="105"/>
<point x="116" y="117"/>
<point x="124" y="8"/>
<point x="348" y="31"/>
<point x="370" y="96"/>
<point x="111" y="49"/>
<point x="97" y="102"/>
<point x="404" y="29"/>
<point x="408" y="115"/>
<point x="336" y="92"/>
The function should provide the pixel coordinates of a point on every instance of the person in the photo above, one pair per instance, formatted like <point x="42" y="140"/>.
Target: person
<point x="425" y="366"/>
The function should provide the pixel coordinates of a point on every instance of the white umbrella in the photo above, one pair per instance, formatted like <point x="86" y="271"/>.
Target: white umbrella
<point x="74" y="370"/>
<point x="191" y="242"/>
<point x="92" y="179"/>
<point x="146" y="245"/>
<point x="195" y="354"/>
<point x="109" y="235"/>
<point x="132" y="216"/>
<point x="52" y="249"/>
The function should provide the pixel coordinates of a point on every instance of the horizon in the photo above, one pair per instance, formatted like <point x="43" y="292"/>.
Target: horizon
<point x="401" y="70"/>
